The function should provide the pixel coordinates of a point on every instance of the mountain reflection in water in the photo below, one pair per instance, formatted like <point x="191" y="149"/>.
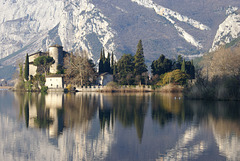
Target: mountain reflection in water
<point x="97" y="126"/>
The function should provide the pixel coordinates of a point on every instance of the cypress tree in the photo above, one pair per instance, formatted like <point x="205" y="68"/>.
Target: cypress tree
<point x="192" y="70"/>
<point x="104" y="61"/>
<point x="179" y="62"/>
<point x="107" y="64"/>
<point x="104" y="58"/>
<point x="139" y="61"/>
<point x="114" y="70"/>
<point x="100" y="70"/>
<point x="112" y="63"/>
<point x="26" y="69"/>
<point x="183" y="68"/>
<point x="112" y="60"/>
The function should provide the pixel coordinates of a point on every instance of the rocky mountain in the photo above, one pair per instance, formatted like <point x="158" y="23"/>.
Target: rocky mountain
<point x="169" y="27"/>
<point x="228" y="30"/>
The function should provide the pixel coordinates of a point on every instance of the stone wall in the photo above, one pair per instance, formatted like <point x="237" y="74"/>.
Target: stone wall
<point x="113" y="89"/>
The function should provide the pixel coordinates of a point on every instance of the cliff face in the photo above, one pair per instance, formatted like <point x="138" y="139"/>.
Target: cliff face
<point x="165" y="27"/>
<point x="28" y="26"/>
<point x="227" y="31"/>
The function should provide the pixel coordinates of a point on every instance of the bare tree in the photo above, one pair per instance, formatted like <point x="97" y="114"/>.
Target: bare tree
<point x="80" y="70"/>
<point x="224" y="62"/>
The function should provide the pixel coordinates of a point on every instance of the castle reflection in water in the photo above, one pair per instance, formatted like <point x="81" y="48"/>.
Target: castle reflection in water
<point x="58" y="112"/>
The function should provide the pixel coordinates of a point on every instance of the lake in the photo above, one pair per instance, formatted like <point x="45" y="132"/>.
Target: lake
<point x="103" y="126"/>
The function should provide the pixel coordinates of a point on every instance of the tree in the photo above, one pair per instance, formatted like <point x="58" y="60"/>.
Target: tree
<point x="157" y="66"/>
<point x="192" y="70"/>
<point x="161" y="65"/>
<point x="43" y="63"/>
<point x="139" y="61"/>
<point x="60" y="69"/>
<point x="112" y="63"/>
<point x="183" y="67"/>
<point x="104" y="63"/>
<point x="80" y="70"/>
<point x="176" y="76"/>
<point x="125" y="69"/>
<point x="100" y="68"/>
<point x="26" y="69"/>
<point x="179" y="62"/>
<point x="224" y="62"/>
<point x="107" y="64"/>
<point x="145" y="77"/>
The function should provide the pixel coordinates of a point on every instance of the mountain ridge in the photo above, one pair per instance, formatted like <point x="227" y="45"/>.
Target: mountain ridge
<point x="165" y="26"/>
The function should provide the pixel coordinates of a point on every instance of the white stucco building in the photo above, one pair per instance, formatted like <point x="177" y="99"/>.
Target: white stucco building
<point x="54" y="81"/>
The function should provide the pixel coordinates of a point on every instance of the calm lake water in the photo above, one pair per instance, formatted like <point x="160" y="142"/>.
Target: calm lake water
<point x="95" y="126"/>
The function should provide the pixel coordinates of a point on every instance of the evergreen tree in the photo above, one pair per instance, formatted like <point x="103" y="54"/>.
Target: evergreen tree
<point x="125" y="68"/>
<point x="43" y="63"/>
<point x="107" y="64"/>
<point x="104" y="61"/>
<point x="112" y="63"/>
<point x="139" y="61"/>
<point x="192" y="70"/>
<point x="183" y="68"/>
<point x="104" y="57"/>
<point x="114" y="71"/>
<point x="179" y="62"/>
<point x="161" y="65"/>
<point x="26" y="69"/>
<point x="100" y="70"/>
<point x="112" y="60"/>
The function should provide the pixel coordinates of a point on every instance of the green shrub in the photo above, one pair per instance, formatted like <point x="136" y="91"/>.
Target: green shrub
<point x="112" y="85"/>
<point x="176" y="77"/>
<point x="44" y="89"/>
<point x="28" y="86"/>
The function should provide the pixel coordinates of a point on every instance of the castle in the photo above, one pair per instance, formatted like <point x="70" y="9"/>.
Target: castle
<point x="55" y="51"/>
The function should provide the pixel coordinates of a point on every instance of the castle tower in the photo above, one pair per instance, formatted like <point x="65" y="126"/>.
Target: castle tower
<point x="56" y="51"/>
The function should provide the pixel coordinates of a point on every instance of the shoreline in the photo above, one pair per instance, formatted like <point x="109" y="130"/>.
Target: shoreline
<point x="6" y="87"/>
<point x="105" y="89"/>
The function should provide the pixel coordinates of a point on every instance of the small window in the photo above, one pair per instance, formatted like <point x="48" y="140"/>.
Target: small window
<point x="51" y="85"/>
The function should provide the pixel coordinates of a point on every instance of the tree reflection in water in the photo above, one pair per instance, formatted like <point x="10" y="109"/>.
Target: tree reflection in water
<point x="40" y="111"/>
<point x="55" y="112"/>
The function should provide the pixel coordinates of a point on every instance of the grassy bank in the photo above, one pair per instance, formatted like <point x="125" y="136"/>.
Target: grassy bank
<point x="169" y="88"/>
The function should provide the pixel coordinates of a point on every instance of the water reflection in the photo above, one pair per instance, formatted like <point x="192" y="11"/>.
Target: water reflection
<point x="42" y="111"/>
<point x="223" y="119"/>
<point x="94" y="126"/>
